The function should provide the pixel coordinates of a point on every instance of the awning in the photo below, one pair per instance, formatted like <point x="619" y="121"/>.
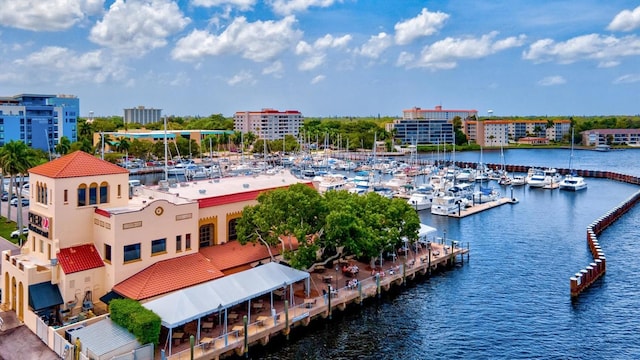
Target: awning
<point x="106" y="298"/>
<point x="44" y="295"/>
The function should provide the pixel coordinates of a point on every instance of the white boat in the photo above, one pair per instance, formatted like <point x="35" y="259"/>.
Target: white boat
<point x="572" y="183"/>
<point x="333" y="182"/>
<point x="466" y="175"/>
<point x="445" y="203"/>
<point x="538" y="180"/>
<point x="485" y="195"/>
<point x="518" y="180"/>
<point x="422" y="198"/>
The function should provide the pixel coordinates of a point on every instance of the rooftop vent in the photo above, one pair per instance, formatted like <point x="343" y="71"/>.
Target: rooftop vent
<point x="246" y="186"/>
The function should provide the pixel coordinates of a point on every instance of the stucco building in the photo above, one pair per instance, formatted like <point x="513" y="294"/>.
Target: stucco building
<point x="88" y="237"/>
<point x="269" y="124"/>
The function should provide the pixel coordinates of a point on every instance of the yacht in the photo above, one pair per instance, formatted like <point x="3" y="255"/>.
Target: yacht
<point x="538" y="180"/>
<point x="572" y="183"/>
<point x="445" y="203"/>
<point x="422" y="198"/>
<point x="518" y="180"/>
<point x="332" y="182"/>
<point x="485" y="195"/>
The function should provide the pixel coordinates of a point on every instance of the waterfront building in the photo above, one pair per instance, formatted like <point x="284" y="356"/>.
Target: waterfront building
<point x="596" y="137"/>
<point x="427" y="126"/>
<point x="269" y="124"/>
<point x="88" y="236"/>
<point x="501" y="132"/>
<point x="39" y="120"/>
<point x="142" y="115"/>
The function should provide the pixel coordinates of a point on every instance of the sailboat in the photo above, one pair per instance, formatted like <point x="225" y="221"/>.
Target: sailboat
<point x="571" y="181"/>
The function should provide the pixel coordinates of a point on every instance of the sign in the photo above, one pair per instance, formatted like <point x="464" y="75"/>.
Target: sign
<point x="40" y="224"/>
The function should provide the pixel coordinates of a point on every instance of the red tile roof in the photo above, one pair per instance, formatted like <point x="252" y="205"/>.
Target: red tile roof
<point x="237" y="197"/>
<point x="79" y="258"/>
<point x="233" y="254"/>
<point x="77" y="164"/>
<point x="167" y="276"/>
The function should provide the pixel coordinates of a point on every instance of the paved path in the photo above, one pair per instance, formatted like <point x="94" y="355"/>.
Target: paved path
<point x="17" y="342"/>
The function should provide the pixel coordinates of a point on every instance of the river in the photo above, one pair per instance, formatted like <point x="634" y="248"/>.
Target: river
<point x="511" y="300"/>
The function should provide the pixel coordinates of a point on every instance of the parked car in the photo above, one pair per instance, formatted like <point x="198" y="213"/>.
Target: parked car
<point x="16" y="233"/>
<point x="14" y="202"/>
<point x="5" y="196"/>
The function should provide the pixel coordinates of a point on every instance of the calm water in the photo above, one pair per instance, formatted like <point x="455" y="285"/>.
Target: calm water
<point x="511" y="300"/>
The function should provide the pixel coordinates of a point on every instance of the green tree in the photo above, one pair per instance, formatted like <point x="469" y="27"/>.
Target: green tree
<point x="16" y="158"/>
<point x="63" y="146"/>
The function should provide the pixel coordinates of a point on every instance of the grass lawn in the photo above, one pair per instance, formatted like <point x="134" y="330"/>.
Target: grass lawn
<point x="7" y="227"/>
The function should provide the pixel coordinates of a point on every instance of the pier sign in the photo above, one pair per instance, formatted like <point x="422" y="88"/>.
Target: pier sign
<point x="40" y="224"/>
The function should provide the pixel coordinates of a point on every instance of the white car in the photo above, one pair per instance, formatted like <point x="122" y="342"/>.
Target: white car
<point x="16" y="233"/>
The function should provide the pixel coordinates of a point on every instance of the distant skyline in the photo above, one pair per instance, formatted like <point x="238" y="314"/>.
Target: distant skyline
<point x="326" y="57"/>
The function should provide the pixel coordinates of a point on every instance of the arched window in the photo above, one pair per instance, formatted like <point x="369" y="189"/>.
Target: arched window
<point x="82" y="195"/>
<point x="104" y="193"/>
<point x="232" y="229"/>
<point x="93" y="194"/>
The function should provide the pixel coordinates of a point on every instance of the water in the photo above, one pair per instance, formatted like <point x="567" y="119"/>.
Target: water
<point x="511" y="300"/>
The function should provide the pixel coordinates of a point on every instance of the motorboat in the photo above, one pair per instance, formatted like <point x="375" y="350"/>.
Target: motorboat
<point x="485" y="195"/>
<point x="332" y="182"/>
<point x="572" y="183"/>
<point x="538" y="180"/>
<point x="466" y="175"/>
<point x="446" y="203"/>
<point x="422" y="198"/>
<point x="518" y="180"/>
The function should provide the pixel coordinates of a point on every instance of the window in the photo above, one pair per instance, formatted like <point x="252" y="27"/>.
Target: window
<point x="206" y="235"/>
<point x="82" y="195"/>
<point x="66" y="196"/>
<point x="119" y="190"/>
<point x="93" y="194"/>
<point x="107" y="252"/>
<point x="158" y="246"/>
<point x="232" y="229"/>
<point x="178" y="243"/>
<point x="131" y="252"/>
<point x="104" y="193"/>
<point x="187" y="241"/>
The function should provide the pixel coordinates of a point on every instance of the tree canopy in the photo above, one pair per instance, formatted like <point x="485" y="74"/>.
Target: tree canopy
<point x="363" y="226"/>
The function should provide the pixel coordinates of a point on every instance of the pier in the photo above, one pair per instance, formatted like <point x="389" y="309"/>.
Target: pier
<point x="286" y="317"/>
<point x="463" y="212"/>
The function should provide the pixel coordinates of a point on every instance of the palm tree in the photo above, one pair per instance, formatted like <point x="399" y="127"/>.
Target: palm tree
<point x="16" y="158"/>
<point x="63" y="146"/>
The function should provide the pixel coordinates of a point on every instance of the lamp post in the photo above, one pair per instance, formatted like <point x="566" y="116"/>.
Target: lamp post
<point x="337" y="269"/>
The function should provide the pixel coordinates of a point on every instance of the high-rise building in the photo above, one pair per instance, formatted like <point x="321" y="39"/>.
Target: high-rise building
<point x="39" y="120"/>
<point x="142" y="115"/>
<point x="269" y="124"/>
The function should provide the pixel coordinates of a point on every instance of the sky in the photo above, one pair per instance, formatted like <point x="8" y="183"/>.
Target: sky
<point x="326" y="58"/>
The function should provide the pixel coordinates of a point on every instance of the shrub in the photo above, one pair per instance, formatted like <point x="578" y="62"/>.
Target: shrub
<point x="143" y="323"/>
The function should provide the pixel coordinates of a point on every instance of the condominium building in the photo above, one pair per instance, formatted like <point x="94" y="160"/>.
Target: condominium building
<point x="428" y="126"/>
<point x="38" y="120"/>
<point x="142" y="115"/>
<point x="499" y="132"/>
<point x="269" y="124"/>
<point x="611" y="137"/>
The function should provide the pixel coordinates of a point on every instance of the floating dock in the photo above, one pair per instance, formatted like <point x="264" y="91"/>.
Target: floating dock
<point x="482" y="207"/>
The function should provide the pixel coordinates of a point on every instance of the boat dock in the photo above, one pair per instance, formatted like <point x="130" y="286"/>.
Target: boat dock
<point x="463" y="212"/>
<point x="246" y="332"/>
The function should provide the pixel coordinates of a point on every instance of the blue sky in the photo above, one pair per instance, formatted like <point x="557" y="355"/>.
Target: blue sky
<point x="326" y="57"/>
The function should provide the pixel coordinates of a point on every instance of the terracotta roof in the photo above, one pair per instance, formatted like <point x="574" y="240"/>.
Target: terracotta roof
<point x="233" y="254"/>
<point x="79" y="258"/>
<point x="77" y="164"/>
<point x="167" y="276"/>
<point x="237" y="197"/>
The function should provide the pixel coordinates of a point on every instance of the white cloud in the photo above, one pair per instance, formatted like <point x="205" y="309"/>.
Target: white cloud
<point x="136" y="27"/>
<point x="64" y="66"/>
<point x="287" y="7"/>
<point x="258" y="41"/>
<point x="552" y="80"/>
<point x="608" y="64"/>
<point x="243" y="77"/>
<point x="316" y="53"/>
<point x="626" y="20"/>
<point x="50" y="15"/>
<point x="375" y="46"/>
<point x="425" y="24"/>
<point x="627" y="79"/>
<point x="243" y="5"/>
<point x="591" y="46"/>
<point x="276" y="69"/>
<point x="317" y="79"/>
<point x="445" y="53"/>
